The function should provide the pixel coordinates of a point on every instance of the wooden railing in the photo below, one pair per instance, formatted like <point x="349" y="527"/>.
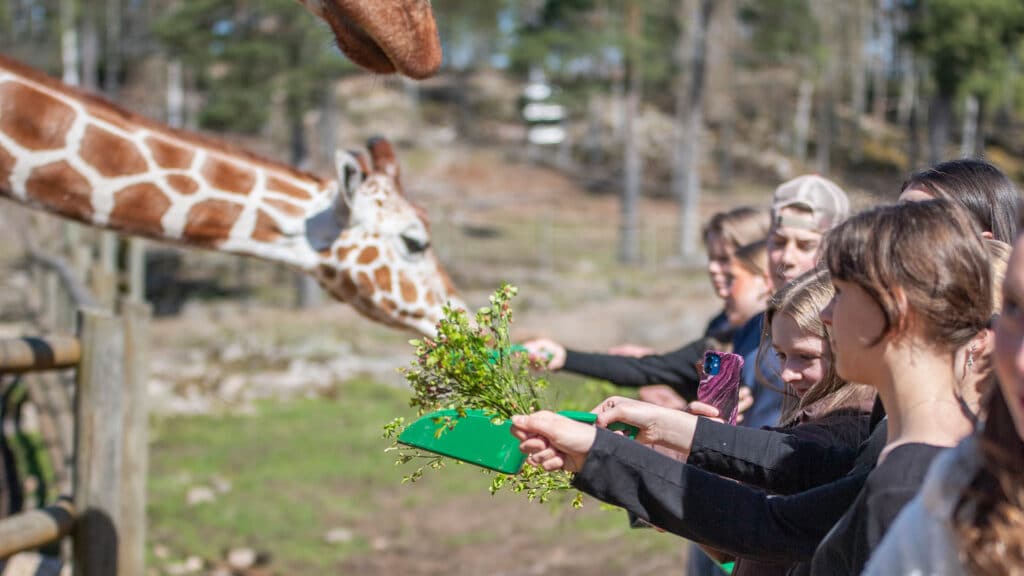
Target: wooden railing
<point x="106" y="513"/>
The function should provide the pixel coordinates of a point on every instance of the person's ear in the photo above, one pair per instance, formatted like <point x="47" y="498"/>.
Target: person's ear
<point x="904" y="316"/>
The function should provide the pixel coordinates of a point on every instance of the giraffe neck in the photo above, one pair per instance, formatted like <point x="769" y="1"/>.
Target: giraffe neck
<point x="78" y="156"/>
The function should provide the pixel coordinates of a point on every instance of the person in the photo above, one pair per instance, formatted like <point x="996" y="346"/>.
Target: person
<point x="827" y="408"/>
<point x="668" y="379"/>
<point x="803" y="210"/>
<point x="968" y="517"/>
<point x="987" y="194"/>
<point x="908" y="298"/>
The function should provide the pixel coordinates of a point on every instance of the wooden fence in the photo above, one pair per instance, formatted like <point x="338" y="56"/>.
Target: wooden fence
<point x="105" y="512"/>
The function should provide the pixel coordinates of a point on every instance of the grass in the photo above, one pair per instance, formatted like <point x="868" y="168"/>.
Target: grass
<point x="299" y="469"/>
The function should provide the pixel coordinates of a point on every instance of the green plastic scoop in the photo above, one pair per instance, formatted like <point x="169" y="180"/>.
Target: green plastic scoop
<point x="477" y="439"/>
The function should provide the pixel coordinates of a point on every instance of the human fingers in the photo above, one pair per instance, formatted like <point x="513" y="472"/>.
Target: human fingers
<point x="662" y="395"/>
<point x="702" y="409"/>
<point x="746" y="400"/>
<point x="564" y="434"/>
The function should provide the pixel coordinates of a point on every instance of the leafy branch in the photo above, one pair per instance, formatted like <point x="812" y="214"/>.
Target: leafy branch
<point x="474" y="365"/>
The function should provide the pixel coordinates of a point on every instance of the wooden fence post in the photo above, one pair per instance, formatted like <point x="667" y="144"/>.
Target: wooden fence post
<point x="98" y="427"/>
<point x="134" y="463"/>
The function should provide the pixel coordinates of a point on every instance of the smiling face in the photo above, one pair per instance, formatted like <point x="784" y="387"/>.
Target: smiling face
<point x="720" y="251"/>
<point x="381" y="262"/>
<point x="803" y="357"/>
<point x="791" y="252"/>
<point x="384" y="36"/>
<point x="856" y="322"/>
<point x="1009" y="354"/>
<point x="746" y="296"/>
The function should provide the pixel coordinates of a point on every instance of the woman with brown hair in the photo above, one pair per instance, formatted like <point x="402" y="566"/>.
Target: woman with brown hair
<point x="969" y="516"/>
<point x="912" y="289"/>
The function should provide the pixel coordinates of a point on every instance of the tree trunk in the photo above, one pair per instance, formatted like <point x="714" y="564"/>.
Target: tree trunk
<point x="879" y="80"/>
<point x="307" y="292"/>
<point x="690" y="120"/>
<point x="629" y="242"/>
<point x="908" y="87"/>
<point x="328" y="127"/>
<point x="90" y="52"/>
<point x="913" y="134"/>
<point x="968" y="137"/>
<point x="720" y="99"/>
<point x="175" y="94"/>
<point x="112" y="60"/>
<point x="940" y="115"/>
<point x="859" y="72"/>
<point x="69" y="42"/>
<point x="802" y="121"/>
<point x="826" y="129"/>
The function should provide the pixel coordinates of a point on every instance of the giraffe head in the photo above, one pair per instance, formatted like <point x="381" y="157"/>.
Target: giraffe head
<point x="384" y="36"/>
<point x="374" y="245"/>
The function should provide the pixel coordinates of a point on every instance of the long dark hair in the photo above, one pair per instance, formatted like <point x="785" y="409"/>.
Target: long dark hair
<point x="987" y="194"/>
<point x="989" y="518"/>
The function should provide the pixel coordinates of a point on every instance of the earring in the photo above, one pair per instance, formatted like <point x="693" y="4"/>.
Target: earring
<point x="970" y="357"/>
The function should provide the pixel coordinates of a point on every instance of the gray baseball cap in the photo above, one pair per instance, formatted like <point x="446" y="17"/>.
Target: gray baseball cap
<point x="823" y="201"/>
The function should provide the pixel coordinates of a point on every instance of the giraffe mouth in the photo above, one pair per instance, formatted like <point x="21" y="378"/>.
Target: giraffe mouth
<point x="387" y="38"/>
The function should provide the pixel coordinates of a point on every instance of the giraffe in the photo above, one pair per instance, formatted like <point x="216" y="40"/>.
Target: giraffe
<point x="384" y="36"/>
<point x="78" y="156"/>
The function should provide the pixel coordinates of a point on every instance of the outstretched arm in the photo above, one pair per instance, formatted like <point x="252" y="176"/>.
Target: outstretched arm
<point x="709" y="509"/>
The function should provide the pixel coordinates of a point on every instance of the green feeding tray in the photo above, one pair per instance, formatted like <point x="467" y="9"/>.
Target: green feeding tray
<point x="479" y="439"/>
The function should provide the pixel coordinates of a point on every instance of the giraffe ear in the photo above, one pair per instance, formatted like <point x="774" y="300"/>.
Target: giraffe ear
<point x="351" y="167"/>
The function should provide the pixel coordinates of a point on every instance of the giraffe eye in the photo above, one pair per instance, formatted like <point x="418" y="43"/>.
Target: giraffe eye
<point x="414" y="245"/>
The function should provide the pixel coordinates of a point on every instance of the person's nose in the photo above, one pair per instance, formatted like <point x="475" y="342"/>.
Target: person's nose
<point x="788" y="375"/>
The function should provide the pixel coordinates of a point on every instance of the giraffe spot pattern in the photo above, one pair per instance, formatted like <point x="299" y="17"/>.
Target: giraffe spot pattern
<point x="278" y="185"/>
<point x="343" y="251"/>
<point x="388" y="305"/>
<point x="111" y="154"/>
<point x="60" y="188"/>
<point x="139" y="208"/>
<point x="6" y="167"/>
<point x="286" y="207"/>
<point x="408" y="287"/>
<point x="382" y="275"/>
<point x="365" y="285"/>
<point x="45" y="129"/>
<point x="210" y="221"/>
<point x="347" y="288"/>
<point x="328" y="272"/>
<point x="168" y="155"/>
<point x="182" y="184"/>
<point x="228" y="176"/>
<point x="266" y="228"/>
<point x="368" y="255"/>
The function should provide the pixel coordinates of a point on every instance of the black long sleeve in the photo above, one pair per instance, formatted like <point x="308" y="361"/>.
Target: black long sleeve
<point x="709" y="509"/>
<point x="677" y="369"/>
<point x="781" y="461"/>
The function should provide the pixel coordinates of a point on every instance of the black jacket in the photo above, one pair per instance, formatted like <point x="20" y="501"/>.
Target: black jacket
<point x="782" y="460"/>
<point x="716" y="511"/>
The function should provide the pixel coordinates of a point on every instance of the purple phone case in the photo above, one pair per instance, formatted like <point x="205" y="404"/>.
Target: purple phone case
<point x="723" y="389"/>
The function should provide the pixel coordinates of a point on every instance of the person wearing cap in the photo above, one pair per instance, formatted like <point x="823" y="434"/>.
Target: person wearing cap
<point x="803" y="210"/>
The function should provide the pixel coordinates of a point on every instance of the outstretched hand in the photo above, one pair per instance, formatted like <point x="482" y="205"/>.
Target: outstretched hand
<point x="546" y="353"/>
<point x="553" y="442"/>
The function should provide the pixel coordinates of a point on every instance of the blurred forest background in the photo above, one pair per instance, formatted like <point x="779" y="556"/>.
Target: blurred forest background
<point x="570" y="147"/>
<point x="656" y="97"/>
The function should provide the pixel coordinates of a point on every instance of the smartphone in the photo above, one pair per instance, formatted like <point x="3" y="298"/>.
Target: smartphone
<point x="720" y="383"/>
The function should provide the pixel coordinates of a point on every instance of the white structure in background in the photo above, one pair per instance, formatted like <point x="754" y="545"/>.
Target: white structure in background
<point x="543" y="118"/>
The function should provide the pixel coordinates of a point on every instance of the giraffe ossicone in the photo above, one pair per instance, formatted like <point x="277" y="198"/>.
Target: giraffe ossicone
<point x="80" y="157"/>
